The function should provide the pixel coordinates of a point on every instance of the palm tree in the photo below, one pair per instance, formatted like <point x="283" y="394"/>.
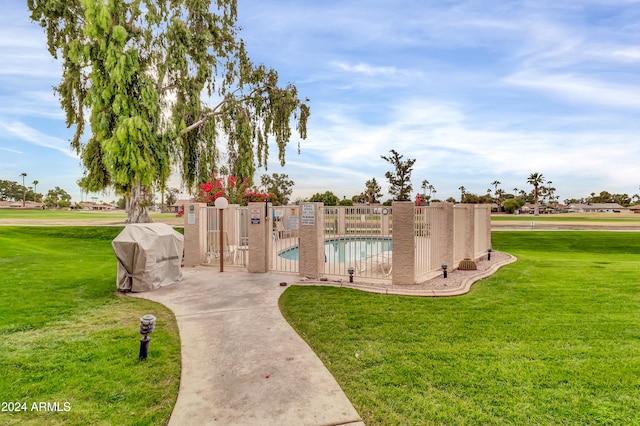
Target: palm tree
<point x="35" y="190"/>
<point x="495" y="184"/>
<point x="499" y="198"/>
<point x="432" y="190"/>
<point x="424" y="186"/>
<point x="24" y="189"/>
<point x="535" y="179"/>
<point x="523" y="195"/>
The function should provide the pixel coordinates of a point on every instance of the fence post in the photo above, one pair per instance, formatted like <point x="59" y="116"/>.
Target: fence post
<point x="195" y="233"/>
<point x="488" y="229"/>
<point x="444" y="239"/>
<point x="311" y="247"/>
<point x="482" y="229"/>
<point x="464" y="229"/>
<point x="384" y="215"/>
<point x="403" y="240"/>
<point x="260" y="234"/>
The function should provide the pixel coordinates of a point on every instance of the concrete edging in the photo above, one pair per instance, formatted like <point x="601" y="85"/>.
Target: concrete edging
<point x="408" y="291"/>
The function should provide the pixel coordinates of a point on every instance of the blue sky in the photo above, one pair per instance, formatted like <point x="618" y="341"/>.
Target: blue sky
<point x="476" y="91"/>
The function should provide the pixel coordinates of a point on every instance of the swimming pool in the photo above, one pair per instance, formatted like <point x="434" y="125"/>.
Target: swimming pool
<point x="345" y="250"/>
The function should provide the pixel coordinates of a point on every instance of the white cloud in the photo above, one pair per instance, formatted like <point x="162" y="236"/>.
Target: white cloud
<point x="362" y="68"/>
<point x="581" y="89"/>
<point x="616" y="52"/>
<point x="15" y="151"/>
<point x="30" y="135"/>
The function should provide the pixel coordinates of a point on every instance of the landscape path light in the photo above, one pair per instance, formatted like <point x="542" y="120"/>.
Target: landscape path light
<point x="147" y="324"/>
<point x="221" y="203"/>
<point x="351" y="270"/>
<point x="444" y="269"/>
<point x="489" y="250"/>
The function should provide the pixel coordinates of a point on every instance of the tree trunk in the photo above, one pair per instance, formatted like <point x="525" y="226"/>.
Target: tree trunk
<point x="138" y="212"/>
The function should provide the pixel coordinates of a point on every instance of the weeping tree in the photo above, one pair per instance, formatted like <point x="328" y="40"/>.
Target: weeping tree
<point x="162" y="85"/>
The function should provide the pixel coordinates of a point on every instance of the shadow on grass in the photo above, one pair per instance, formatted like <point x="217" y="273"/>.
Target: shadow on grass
<point x="68" y="339"/>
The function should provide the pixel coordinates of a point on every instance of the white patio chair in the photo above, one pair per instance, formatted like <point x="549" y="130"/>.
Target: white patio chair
<point x="213" y="246"/>
<point x="379" y="262"/>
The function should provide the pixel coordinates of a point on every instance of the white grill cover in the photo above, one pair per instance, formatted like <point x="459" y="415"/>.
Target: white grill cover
<point x="149" y="256"/>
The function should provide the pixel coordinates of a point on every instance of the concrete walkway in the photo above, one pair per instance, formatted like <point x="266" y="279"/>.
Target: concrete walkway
<point x="242" y="363"/>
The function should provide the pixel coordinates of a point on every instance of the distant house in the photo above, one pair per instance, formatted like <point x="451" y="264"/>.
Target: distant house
<point x="635" y="209"/>
<point x="597" y="208"/>
<point x="18" y="204"/>
<point x="178" y="205"/>
<point x="544" y="208"/>
<point x="97" y="206"/>
<point x="559" y="208"/>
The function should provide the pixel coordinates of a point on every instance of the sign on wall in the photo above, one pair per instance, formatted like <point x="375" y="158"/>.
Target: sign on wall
<point x="255" y="216"/>
<point x="308" y="214"/>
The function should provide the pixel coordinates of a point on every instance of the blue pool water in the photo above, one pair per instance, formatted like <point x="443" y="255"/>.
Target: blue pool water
<point x="346" y="249"/>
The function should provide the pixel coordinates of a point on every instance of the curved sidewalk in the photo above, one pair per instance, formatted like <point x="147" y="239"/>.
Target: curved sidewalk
<point x="242" y="363"/>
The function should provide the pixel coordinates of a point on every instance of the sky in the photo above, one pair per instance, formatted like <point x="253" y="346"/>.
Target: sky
<point x="475" y="91"/>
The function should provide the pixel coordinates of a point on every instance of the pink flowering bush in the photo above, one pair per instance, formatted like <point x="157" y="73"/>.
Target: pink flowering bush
<point x="234" y="191"/>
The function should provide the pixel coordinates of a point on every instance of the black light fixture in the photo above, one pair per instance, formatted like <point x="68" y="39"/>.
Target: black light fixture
<point x="489" y="250"/>
<point x="147" y="324"/>
<point x="444" y="269"/>
<point x="351" y="270"/>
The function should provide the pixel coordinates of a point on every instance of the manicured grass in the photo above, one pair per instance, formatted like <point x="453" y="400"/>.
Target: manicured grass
<point x="570" y="217"/>
<point x="19" y="215"/>
<point x="59" y="214"/>
<point x="551" y="339"/>
<point x="67" y="337"/>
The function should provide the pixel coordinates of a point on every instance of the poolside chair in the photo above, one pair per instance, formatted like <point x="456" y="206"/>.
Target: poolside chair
<point x="280" y="232"/>
<point x="241" y="252"/>
<point x="213" y="246"/>
<point x="379" y="262"/>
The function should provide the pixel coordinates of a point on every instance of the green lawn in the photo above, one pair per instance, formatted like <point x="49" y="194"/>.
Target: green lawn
<point x="626" y="218"/>
<point x="68" y="338"/>
<point x="17" y="215"/>
<point x="551" y="339"/>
